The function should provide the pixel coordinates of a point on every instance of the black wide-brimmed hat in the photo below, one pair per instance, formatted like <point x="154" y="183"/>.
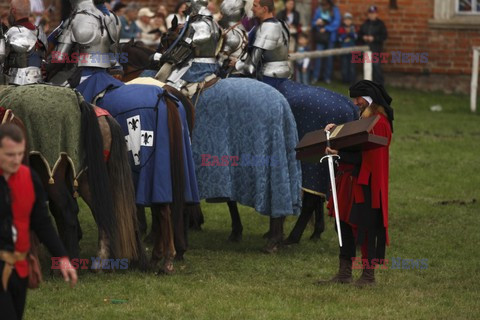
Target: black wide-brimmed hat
<point x="377" y="92"/>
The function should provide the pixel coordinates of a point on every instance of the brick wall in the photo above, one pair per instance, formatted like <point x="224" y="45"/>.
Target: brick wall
<point x="449" y="50"/>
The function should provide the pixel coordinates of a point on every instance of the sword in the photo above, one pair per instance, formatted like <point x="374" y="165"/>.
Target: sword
<point x="334" y="186"/>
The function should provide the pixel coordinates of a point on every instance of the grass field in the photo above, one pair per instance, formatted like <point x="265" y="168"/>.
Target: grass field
<point x="434" y="215"/>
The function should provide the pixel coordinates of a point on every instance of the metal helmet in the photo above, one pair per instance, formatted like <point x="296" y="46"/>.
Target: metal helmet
<point x="195" y="6"/>
<point x="76" y="3"/>
<point x="232" y="11"/>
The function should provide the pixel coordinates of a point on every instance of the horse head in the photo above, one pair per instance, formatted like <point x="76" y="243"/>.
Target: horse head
<point x="170" y="36"/>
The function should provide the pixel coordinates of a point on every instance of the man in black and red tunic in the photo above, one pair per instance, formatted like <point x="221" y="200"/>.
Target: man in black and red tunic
<point x="22" y="207"/>
<point x="362" y="190"/>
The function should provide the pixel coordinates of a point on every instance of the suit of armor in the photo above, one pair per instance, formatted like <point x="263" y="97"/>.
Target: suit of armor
<point x="22" y="51"/>
<point x="235" y="39"/>
<point x="269" y="52"/>
<point x="94" y="33"/>
<point x="204" y="35"/>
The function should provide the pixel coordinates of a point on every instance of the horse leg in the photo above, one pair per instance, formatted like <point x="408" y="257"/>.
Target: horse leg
<point x="276" y="236"/>
<point x="163" y="242"/>
<point x="195" y="215"/>
<point x="103" y="243"/>
<point x="319" y="219"/>
<point x="142" y="220"/>
<point x="142" y="224"/>
<point x="237" y="228"/>
<point x="309" y="205"/>
<point x="64" y="208"/>
<point x="268" y="234"/>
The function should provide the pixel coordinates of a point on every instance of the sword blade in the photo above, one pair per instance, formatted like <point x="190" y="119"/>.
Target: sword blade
<point x="335" y="200"/>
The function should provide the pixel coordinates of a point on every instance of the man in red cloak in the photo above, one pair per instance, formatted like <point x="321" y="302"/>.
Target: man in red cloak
<point x="362" y="190"/>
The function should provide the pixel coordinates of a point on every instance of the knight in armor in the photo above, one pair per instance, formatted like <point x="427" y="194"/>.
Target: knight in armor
<point x="2" y="52"/>
<point x="24" y="46"/>
<point x="204" y="35"/>
<point x="268" y="45"/>
<point x="235" y="37"/>
<point x="89" y="39"/>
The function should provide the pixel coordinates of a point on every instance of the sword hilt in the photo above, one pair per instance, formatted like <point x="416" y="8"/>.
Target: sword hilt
<point x="327" y="133"/>
<point x="329" y="156"/>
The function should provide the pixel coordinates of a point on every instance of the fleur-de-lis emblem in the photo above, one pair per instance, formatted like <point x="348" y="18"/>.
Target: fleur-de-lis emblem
<point x="137" y="155"/>
<point x="133" y="124"/>
<point x="146" y="138"/>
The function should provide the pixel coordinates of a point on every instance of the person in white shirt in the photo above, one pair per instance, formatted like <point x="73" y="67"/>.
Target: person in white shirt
<point x="179" y="13"/>
<point x="144" y="22"/>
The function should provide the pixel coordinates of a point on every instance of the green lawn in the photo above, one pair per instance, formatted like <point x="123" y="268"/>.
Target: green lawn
<point x="434" y="215"/>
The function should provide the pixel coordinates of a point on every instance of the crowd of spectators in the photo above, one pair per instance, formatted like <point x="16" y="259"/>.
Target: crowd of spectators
<point x="330" y="29"/>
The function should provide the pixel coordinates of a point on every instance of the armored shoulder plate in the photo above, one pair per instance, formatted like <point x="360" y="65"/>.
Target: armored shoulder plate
<point x="21" y="39"/>
<point x="86" y="27"/>
<point x="113" y="25"/>
<point x="271" y="35"/>
<point x="206" y="36"/>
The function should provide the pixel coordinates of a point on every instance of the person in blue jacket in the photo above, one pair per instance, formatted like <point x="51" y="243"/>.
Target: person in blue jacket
<point x="325" y="24"/>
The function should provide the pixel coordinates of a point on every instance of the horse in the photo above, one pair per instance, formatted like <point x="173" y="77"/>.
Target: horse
<point x="155" y="128"/>
<point x="105" y="183"/>
<point x="313" y="108"/>
<point x="259" y="121"/>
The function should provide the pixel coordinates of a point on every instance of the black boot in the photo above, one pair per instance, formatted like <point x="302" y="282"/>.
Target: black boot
<point x="344" y="274"/>
<point x="367" y="278"/>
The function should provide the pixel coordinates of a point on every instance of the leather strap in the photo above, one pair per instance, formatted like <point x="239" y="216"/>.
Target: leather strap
<point x="10" y="258"/>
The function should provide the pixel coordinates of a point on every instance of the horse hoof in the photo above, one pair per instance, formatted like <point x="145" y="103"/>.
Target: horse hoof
<point x="235" y="237"/>
<point x="167" y="268"/>
<point x="316" y="236"/>
<point x="272" y="246"/>
<point x="288" y="242"/>
<point x="179" y="257"/>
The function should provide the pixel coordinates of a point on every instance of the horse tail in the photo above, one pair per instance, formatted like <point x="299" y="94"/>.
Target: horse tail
<point x="187" y="104"/>
<point x="123" y="191"/>
<point x="177" y="172"/>
<point x="193" y="212"/>
<point x="102" y="200"/>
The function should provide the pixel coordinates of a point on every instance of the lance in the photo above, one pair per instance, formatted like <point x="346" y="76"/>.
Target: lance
<point x="330" y="157"/>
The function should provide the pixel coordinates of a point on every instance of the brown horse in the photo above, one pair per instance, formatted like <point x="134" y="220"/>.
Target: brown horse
<point x="105" y="185"/>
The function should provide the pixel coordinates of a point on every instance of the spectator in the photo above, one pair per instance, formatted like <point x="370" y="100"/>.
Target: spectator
<point x="301" y="66"/>
<point x="325" y="24"/>
<point x="213" y="8"/>
<point x="37" y="8"/>
<point x="129" y="27"/>
<point x="159" y="22"/>
<point x="292" y="18"/>
<point x="144" y="22"/>
<point x="179" y="13"/>
<point x="373" y="33"/>
<point x="279" y="6"/>
<point x="347" y="36"/>
<point x="118" y="8"/>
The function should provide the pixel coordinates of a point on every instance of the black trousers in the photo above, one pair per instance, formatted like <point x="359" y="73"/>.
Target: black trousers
<point x="12" y="301"/>
<point x="371" y="233"/>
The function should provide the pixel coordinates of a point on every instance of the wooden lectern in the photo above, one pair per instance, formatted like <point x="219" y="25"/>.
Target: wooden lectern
<point x="350" y="136"/>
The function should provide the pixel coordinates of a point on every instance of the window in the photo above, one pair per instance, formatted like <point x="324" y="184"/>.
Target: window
<point x="468" y="6"/>
<point x="456" y="14"/>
